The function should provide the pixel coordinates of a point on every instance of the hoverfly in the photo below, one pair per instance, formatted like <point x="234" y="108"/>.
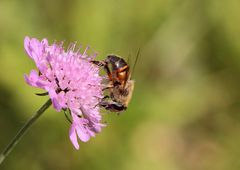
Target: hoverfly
<point x="120" y="84"/>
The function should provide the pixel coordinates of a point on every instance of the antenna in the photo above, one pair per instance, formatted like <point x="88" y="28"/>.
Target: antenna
<point x="128" y="59"/>
<point x="136" y="59"/>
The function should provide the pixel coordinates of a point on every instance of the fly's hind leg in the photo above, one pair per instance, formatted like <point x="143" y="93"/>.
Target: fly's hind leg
<point x="112" y="106"/>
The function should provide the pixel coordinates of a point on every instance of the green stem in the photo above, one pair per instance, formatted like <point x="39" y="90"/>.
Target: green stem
<point x="23" y="130"/>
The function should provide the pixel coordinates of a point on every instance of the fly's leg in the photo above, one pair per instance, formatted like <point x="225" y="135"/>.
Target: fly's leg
<point x="112" y="106"/>
<point x="108" y="86"/>
<point x="105" y="66"/>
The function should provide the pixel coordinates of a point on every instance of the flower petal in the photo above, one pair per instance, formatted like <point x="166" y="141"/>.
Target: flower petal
<point x="27" y="46"/>
<point x="82" y="133"/>
<point x="32" y="78"/>
<point x="80" y="127"/>
<point x="73" y="136"/>
<point x="55" y="102"/>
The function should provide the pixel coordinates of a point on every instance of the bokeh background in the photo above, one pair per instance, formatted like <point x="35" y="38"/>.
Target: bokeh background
<point x="185" y="111"/>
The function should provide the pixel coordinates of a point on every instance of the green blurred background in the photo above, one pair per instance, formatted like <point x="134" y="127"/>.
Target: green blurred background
<point x="185" y="111"/>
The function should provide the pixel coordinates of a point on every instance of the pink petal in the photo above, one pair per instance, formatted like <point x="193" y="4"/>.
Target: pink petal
<point x="61" y="99"/>
<point x="27" y="46"/>
<point x="55" y="102"/>
<point x="34" y="49"/>
<point x="32" y="78"/>
<point x="73" y="137"/>
<point x="79" y="127"/>
<point x="44" y="41"/>
<point x="82" y="133"/>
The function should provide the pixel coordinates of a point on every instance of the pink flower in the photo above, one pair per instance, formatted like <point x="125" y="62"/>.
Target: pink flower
<point x="71" y="81"/>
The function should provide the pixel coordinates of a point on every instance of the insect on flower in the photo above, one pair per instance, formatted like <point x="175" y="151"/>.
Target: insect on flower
<point x="120" y="84"/>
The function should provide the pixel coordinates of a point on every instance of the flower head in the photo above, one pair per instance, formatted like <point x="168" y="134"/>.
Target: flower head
<point x="71" y="81"/>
